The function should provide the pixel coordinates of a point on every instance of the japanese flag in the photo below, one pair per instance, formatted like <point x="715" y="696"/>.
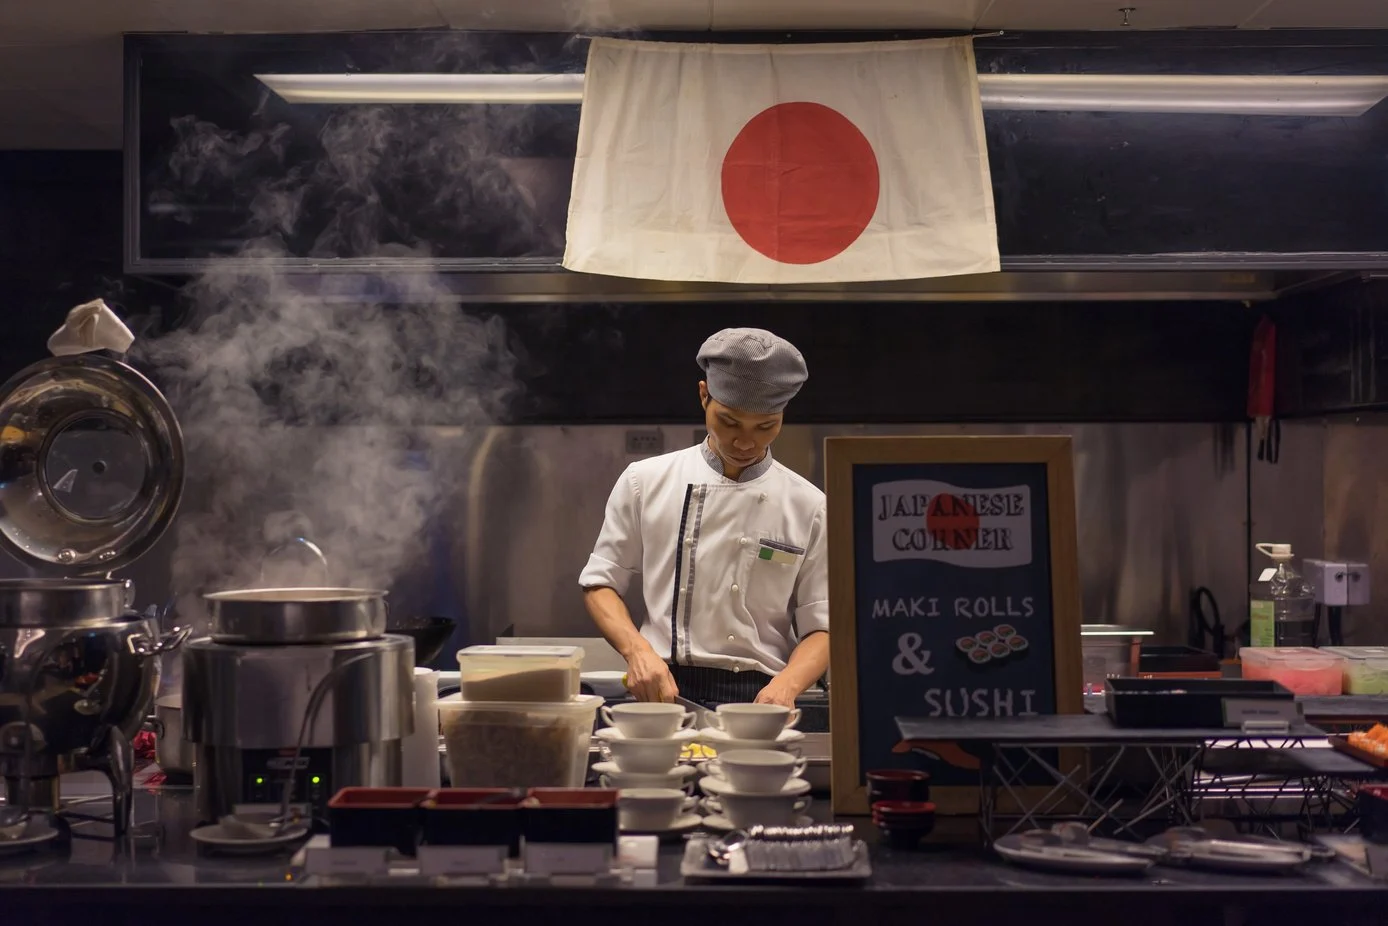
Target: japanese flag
<point x="781" y="163"/>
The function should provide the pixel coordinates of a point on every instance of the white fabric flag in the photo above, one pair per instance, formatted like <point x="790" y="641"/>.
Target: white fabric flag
<point x="781" y="163"/>
<point x="974" y="528"/>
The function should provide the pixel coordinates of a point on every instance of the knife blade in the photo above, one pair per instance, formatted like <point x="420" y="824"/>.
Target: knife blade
<point x="699" y="711"/>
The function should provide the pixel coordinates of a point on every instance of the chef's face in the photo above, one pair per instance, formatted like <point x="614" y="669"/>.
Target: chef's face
<point x="739" y="438"/>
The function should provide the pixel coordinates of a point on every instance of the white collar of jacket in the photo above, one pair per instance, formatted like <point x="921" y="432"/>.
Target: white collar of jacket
<point x="715" y="462"/>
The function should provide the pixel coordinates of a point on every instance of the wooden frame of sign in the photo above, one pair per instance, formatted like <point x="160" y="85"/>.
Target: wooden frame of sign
<point x="942" y="574"/>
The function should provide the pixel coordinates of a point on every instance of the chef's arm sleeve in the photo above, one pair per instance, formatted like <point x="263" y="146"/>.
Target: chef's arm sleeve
<point x="812" y="583"/>
<point x="616" y="557"/>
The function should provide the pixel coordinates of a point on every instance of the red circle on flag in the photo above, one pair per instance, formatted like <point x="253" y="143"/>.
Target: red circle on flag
<point x="800" y="182"/>
<point x="952" y="522"/>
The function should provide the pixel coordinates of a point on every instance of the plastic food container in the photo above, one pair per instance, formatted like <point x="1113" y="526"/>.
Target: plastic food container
<point x="376" y="817"/>
<point x="569" y="815"/>
<point x="1302" y="670"/>
<point x="1365" y="668"/>
<point x="518" y="744"/>
<point x="1109" y="649"/>
<point x="520" y="673"/>
<point x="473" y="817"/>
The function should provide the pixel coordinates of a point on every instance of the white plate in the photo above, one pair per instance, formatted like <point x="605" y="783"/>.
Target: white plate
<point x="38" y="832"/>
<point x="608" y="734"/>
<point x="685" y="824"/>
<point x="723" y="741"/>
<point x="680" y="772"/>
<point x="724" y="825"/>
<point x="1068" y="858"/>
<point x="713" y="785"/>
<point x="213" y="837"/>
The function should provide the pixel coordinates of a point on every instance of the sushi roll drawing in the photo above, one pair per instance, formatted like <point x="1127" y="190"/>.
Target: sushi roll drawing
<point x="1019" y="646"/>
<point x="999" y="649"/>
<point x="966" y="644"/>
<point x="1005" y="630"/>
<point x="987" y="638"/>
<point x="979" y="657"/>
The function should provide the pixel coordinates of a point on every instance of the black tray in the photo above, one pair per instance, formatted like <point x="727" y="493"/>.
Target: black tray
<point x="1195" y="703"/>
<point x="1176" y="659"/>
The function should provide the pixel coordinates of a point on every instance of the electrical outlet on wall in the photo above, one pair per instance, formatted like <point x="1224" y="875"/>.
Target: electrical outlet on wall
<point x="645" y="443"/>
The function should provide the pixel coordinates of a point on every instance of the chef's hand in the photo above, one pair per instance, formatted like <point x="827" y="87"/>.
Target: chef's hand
<point x="779" y="692"/>
<point x="649" y="678"/>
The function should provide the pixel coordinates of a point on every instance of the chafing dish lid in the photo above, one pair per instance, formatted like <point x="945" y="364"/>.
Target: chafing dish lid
<point x="91" y="465"/>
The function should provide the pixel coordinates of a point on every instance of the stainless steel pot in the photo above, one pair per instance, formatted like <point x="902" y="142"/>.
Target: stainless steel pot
<point x="297" y="615"/>
<point x="173" y="753"/>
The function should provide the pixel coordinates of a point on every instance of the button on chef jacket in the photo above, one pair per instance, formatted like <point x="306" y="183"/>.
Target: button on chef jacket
<point x="733" y="572"/>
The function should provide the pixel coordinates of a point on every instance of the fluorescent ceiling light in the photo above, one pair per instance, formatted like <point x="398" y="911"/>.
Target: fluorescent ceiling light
<point x="1131" y="93"/>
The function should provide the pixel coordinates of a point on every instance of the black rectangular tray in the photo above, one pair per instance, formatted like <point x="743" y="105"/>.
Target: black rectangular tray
<point x="1197" y="703"/>
<point x="1176" y="659"/>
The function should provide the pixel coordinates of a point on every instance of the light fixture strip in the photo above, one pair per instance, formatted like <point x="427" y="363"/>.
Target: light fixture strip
<point x="1140" y="93"/>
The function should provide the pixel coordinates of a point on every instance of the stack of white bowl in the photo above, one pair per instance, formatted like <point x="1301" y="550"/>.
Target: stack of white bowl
<point x="757" y="775"/>
<point x="747" y="787"/>
<point x="641" y="747"/>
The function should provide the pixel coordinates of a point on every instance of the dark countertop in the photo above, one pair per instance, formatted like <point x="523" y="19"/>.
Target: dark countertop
<point x="165" y="880"/>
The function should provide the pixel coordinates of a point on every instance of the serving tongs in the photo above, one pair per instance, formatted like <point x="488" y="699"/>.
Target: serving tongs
<point x="1197" y="847"/>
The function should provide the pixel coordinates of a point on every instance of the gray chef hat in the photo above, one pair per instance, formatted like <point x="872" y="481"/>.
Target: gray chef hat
<point x="752" y="370"/>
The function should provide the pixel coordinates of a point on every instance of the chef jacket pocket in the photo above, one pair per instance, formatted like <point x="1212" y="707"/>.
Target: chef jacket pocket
<point x="771" y="576"/>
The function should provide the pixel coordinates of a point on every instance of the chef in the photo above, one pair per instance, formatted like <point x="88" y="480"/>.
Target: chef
<point x="724" y="545"/>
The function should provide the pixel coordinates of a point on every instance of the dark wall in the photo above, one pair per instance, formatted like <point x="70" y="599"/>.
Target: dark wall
<point x="901" y="363"/>
<point x="1332" y="350"/>
<point x="60" y="244"/>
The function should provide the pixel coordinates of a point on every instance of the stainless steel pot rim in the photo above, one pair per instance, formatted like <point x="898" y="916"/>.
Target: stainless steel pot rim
<point x="291" y="595"/>
<point x="1114" y="630"/>
<point x="60" y="585"/>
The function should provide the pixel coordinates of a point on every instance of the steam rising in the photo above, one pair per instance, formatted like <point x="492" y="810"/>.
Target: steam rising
<point x="315" y="418"/>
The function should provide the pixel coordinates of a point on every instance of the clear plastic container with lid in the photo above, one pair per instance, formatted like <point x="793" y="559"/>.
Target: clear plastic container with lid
<point x="518" y="744"/>
<point x="1302" y="670"/>
<point x="1365" y="668"/>
<point x="519" y="673"/>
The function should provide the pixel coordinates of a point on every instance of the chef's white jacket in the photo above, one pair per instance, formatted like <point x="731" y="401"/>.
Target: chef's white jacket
<point x="734" y="573"/>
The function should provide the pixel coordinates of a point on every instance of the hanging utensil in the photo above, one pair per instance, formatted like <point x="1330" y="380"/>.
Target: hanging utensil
<point x="1262" y="386"/>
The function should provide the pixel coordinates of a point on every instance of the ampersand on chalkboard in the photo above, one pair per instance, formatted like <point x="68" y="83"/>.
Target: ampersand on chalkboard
<point x="909" y="660"/>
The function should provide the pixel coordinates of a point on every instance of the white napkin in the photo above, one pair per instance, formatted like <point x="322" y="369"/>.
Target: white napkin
<point x="91" y="326"/>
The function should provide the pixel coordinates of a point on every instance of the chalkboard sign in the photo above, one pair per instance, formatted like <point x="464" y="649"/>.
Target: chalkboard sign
<point x="954" y="592"/>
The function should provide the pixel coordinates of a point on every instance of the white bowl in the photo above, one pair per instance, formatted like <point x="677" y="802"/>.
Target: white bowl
<point x="648" y="719"/>
<point x="651" y="809"/>
<point x="605" y="682"/>
<point x="754" y="721"/>
<point x="756" y="771"/>
<point x="646" y="756"/>
<point x="758" y="809"/>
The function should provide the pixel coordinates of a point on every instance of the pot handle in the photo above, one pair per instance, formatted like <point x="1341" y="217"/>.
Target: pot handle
<point x="141" y="645"/>
<point x="307" y="544"/>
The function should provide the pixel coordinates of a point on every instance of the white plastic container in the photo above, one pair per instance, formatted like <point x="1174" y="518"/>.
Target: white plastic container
<point x="518" y="744"/>
<point x="545" y="674"/>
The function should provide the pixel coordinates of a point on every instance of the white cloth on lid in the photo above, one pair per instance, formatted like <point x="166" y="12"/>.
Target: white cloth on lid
<point x="815" y="163"/>
<point x="91" y="326"/>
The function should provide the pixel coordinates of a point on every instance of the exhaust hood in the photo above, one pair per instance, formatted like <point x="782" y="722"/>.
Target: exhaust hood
<point x="1126" y="166"/>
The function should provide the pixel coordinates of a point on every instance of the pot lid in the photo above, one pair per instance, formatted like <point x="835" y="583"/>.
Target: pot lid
<point x="91" y="465"/>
